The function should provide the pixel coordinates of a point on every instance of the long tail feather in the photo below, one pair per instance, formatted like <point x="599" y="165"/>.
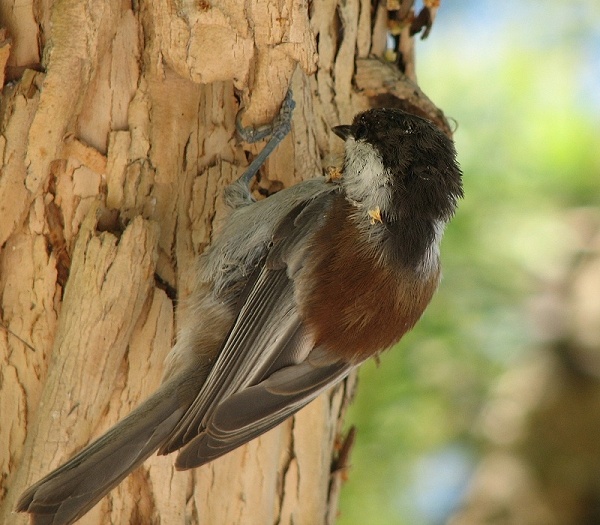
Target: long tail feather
<point x="68" y="492"/>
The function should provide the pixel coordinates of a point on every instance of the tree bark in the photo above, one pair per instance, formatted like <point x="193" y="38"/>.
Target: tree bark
<point x="117" y="136"/>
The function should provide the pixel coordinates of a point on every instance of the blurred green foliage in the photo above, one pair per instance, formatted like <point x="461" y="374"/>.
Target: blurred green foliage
<point x="519" y="78"/>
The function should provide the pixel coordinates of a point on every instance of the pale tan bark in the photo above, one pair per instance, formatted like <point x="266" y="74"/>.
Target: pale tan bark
<point x="113" y="108"/>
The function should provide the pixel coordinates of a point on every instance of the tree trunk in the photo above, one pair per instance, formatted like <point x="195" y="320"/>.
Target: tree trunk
<point x="117" y="135"/>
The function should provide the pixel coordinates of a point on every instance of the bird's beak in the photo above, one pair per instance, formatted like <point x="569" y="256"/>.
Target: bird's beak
<point x="342" y="131"/>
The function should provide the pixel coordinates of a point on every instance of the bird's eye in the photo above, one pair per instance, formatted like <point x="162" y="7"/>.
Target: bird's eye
<point x="360" y="132"/>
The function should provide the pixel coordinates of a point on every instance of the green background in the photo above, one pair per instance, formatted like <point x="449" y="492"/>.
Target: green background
<point x="521" y="80"/>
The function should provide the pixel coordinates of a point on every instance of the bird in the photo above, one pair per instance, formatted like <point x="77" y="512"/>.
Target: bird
<point x="296" y="291"/>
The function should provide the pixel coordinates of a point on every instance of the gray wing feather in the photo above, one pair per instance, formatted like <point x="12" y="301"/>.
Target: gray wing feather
<point x="259" y="408"/>
<point x="267" y="333"/>
<point x="265" y="324"/>
<point x="267" y="338"/>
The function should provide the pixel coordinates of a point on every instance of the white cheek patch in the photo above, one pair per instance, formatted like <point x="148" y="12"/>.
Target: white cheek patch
<point x="365" y="178"/>
<point x="430" y="262"/>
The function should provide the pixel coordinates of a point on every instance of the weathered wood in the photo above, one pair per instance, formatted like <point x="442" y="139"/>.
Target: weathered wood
<point x="117" y="137"/>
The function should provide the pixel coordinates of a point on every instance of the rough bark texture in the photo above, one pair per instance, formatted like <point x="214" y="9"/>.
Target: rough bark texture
<point x="116" y="138"/>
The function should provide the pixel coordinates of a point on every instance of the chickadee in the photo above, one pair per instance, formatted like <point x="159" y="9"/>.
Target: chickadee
<point x="297" y="291"/>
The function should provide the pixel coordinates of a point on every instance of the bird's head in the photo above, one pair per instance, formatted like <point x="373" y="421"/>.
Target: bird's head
<point x="400" y="164"/>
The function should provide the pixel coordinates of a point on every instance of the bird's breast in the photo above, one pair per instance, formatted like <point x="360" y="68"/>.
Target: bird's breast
<point x="355" y="301"/>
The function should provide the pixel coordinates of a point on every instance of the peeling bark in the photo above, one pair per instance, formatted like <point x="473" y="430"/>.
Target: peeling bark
<point x="117" y="136"/>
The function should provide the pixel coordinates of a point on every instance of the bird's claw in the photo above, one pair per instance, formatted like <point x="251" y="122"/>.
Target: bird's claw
<point x="282" y="122"/>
